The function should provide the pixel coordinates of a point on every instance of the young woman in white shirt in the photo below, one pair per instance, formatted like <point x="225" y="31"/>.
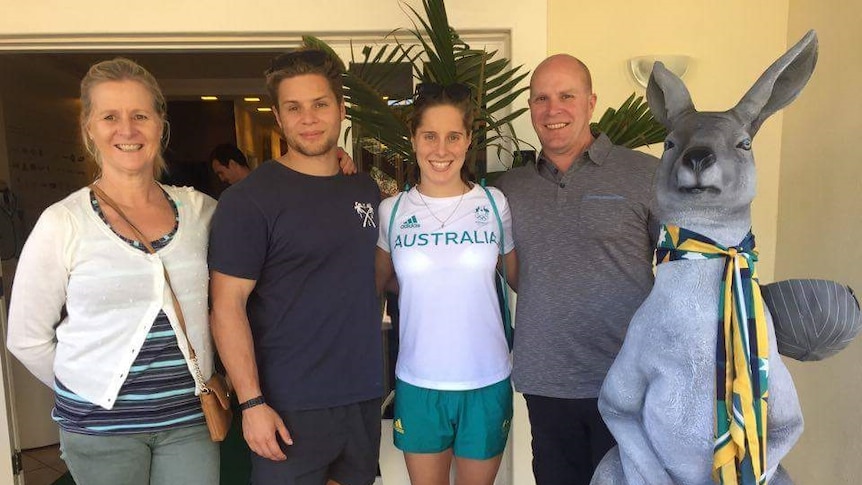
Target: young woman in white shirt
<point x="453" y="398"/>
<point x="125" y="388"/>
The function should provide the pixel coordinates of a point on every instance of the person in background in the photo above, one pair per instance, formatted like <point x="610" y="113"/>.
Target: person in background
<point x="295" y="316"/>
<point x="229" y="163"/>
<point x="116" y="358"/>
<point x="585" y="230"/>
<point x="453" y="398"/>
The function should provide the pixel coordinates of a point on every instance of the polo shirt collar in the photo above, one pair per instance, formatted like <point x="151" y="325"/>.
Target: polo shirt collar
<point x="597" y="153"/>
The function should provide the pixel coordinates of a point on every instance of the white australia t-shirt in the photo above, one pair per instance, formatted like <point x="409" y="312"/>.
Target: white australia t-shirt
<point x="451" y="335"/>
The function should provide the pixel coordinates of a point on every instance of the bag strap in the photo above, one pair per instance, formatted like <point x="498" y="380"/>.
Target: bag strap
<point x="507" y="316"/>
<point x="177" y="308"/>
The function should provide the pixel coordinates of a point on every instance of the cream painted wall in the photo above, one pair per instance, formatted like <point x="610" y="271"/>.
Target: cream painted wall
<point x="819" y="229"/>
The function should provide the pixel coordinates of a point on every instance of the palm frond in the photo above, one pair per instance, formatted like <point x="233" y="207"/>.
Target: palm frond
<point x="436" y="53"/>
<point x="631" y="125"/>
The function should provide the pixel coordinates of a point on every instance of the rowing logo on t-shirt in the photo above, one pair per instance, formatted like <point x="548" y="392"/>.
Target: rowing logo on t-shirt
<point x="366" y="213"/>
<point x="482" y="214"/>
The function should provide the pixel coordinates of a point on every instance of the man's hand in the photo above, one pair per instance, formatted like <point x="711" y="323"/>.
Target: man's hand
<point x="260" y="425"/>
<point x="348" y="167"/>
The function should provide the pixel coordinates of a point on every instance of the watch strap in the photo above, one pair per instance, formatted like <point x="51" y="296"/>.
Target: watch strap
<point x="255" y="401"/>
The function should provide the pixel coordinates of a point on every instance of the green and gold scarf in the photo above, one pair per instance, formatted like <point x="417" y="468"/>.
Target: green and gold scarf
<point x="741" y="357"/>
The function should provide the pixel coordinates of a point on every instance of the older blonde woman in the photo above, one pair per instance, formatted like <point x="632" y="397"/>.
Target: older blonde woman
<point x="125" y="388"/>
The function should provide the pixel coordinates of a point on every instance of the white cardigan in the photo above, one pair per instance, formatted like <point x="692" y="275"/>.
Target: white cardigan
<point x="112" y="293"/>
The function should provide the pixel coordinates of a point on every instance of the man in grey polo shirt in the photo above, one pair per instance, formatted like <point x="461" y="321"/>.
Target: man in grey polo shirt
<point x="585" y="232"/>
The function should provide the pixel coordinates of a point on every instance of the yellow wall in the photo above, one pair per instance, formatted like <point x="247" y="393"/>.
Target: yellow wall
<point x="820" y="229"/>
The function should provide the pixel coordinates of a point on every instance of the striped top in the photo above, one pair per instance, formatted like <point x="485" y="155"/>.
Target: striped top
<point x="159" y="392"/>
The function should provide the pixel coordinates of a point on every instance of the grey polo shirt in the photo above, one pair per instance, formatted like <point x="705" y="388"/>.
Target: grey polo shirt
<point x="585" y="241"/>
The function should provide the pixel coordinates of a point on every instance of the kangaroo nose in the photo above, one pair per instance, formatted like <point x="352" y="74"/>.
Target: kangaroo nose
<point x="698" y="159"/>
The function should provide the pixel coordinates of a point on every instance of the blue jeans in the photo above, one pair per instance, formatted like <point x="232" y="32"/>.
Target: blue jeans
<point x="181" y="456"/>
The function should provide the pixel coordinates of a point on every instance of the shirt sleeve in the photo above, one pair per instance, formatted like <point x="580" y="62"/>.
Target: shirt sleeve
<point x="505" y="217"/>
<point x="39" y="293"/>
<point x="238" y="237"/>
<point x="386" y="214"/>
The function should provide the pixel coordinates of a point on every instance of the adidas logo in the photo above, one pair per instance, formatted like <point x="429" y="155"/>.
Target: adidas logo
<point x="411" y="223"/>
<point x="397" y="426"/>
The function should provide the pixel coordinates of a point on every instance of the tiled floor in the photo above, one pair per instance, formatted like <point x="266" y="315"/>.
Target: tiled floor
<point x="42" y="466"/>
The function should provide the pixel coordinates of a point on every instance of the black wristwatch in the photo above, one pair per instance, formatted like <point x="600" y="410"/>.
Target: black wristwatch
<point x="255" y="401"/>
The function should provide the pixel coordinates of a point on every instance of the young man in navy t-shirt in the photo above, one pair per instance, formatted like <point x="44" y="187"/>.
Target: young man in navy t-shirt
<point x="295" y="315"/>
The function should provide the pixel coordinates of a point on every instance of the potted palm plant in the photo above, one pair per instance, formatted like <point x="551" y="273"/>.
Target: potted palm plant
<point x="435" y="53"/>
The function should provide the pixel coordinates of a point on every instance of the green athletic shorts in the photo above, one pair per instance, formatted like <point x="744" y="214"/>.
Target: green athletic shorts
<point x="474" y="423"/>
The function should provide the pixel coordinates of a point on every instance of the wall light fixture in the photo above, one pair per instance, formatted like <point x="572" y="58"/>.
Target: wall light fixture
<point x="641" y="66"/>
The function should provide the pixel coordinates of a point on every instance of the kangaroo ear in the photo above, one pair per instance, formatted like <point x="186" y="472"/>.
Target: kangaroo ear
<point x="780" y="84"/>
<point x="667" y="96"/>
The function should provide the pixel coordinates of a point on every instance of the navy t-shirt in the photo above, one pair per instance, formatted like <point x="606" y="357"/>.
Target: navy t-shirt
<point x="309" y="242"/>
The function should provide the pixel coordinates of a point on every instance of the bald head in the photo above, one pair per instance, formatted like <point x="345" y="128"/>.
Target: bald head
<point x="559" y="63"/>
<point x="561" y="106"/>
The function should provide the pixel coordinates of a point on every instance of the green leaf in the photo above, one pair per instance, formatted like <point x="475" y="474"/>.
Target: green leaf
<point x="631" y="125"/>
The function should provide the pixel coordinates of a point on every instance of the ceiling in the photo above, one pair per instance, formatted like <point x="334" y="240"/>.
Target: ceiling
<point x="230" y="75"/>
<point x="180" y="74"/>
<point x="180" y="65"/>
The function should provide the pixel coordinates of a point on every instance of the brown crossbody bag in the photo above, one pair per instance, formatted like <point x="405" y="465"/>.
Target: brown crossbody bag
<point x="214" y="393"/>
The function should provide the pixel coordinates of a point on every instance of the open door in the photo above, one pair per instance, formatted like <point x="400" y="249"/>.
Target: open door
<point x="10" y="469"/>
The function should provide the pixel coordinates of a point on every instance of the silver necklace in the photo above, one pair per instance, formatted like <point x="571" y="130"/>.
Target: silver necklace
<point x="446" y="220"/>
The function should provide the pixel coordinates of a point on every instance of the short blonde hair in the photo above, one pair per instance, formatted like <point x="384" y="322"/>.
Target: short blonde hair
<point x="122" y="69"/>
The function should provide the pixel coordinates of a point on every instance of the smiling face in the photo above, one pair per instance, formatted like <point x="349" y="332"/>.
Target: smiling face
<point x="124" y="127"/>
<point x="309" y="114"/>
<point x="441" y="141"/>
<point x="561" y="106"/>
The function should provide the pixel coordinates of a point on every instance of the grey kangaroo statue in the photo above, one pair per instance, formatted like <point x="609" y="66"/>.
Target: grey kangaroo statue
<point x="662" y="399"/>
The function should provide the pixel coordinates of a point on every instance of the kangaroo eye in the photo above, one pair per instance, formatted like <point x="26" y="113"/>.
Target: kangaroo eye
<point x="668" y="145"/>
<point x="744" y="144"/>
